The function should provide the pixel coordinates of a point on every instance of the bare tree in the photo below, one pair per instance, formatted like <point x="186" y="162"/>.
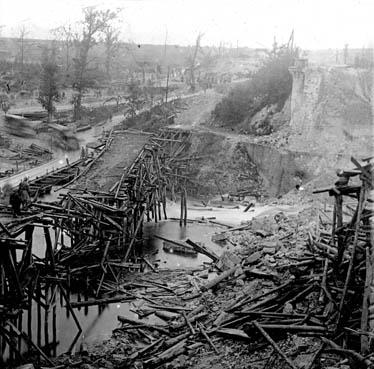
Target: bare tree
<point x="48" y="93"/>
<point x="94" y="24"/>
<point x="22" y="34"/>
<point x="111" y="41"/>
<point x="192" y="62"/>
<point x="66" y="35"/>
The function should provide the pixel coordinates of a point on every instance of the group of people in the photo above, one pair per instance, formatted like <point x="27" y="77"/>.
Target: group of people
<point x="20" y="198"/>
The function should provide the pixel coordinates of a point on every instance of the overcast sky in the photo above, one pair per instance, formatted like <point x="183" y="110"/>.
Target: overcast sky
<point x="253" y="23"/>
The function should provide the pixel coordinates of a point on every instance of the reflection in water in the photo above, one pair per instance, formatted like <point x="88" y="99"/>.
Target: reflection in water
<point x="153" y="247"/>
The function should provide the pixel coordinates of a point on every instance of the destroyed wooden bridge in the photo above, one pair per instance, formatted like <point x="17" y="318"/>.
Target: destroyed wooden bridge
<point x="88" y="237"/>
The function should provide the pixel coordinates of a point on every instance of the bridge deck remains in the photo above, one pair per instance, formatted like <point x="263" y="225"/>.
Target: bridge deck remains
<point x="108" y="169"/>
<point x="93" y="233"/>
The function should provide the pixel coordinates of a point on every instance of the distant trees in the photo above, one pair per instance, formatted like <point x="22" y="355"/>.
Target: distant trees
<point x="65" y="34"/>
<point x="48" y="91"/>
<point x="135" y="98"/>
<point x="95" y="22"/>
<point x="270" y="84"/>
<point x="365" y="59"/>
<point x="111" y="42"/>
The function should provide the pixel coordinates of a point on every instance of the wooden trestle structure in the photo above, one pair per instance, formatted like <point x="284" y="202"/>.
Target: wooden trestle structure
<point x="350" y="250"/>
<point x="88" y="238"/>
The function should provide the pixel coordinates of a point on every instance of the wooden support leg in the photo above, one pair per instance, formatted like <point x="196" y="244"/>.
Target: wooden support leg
<point x="46" y="315"/>
<point x="339" y="224"/>
<point x="185" y="207"/>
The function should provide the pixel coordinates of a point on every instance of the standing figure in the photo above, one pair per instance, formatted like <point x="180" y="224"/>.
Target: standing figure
<point x="15" y="202"/>
<point x="24" y="190"/>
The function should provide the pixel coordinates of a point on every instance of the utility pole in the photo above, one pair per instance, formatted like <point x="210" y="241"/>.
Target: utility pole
<point x="275" y="46"/>
<point x="166" y="38"/>
<point x="345" y="53"/>
<point x="167" y="85"/>
<point x="291" y="41"/>
<point x="22" y="34"/>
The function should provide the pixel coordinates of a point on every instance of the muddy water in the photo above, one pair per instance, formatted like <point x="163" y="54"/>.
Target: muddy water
<point x="172" y="230"/>
<point x="98" y="323"/>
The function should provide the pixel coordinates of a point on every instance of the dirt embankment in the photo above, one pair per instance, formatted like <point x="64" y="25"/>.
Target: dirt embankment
<point x="328" y="119"/>
<point x="221" y="165"/>
<point x="332" y="112"/>
<point x="225" y="161"/>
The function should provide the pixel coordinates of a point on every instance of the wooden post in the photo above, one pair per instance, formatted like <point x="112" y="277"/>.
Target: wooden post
<point x="182" y="209"/>
<point x="365" y="305"/>
<point x="46" y="315"/>
<point x="29" y="314"/>
<point x="20" y="329"/>
<point x="185" y="207"/>
<point x="164" y="202"/>
<point x="339" y="224"/>
<point x="54" y="323"/>
<point x="361" y="205"/>
<point x="39" y="315"/>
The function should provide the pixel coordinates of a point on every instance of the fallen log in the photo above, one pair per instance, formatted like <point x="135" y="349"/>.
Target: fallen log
<point x="190" y="327"/>
<point x="191" y="320"/>
<point x="123" y="319"/>
<point x="149" y="264"/>
<point x="108" y="300"/>
<point x="166" y="315"/>
<point x="220" y="278"/>
<point x="203" y="250"/>
<point x="168" y="354"/>
<point x="172" y="341"/>
<point x="203" y="332"/>
<point x="233" y="333"/>
<point x="365" y="362"/>
<point x="290" y="328"/>
<point x="275" y="346"/>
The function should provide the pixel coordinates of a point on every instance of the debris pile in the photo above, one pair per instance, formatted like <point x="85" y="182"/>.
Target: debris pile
<point x="34" y="151"/>
<point x="289" y="291"/>
<point x="289" y="300"/>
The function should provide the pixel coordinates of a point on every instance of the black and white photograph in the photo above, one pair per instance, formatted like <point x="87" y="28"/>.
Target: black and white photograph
<point x="186" y="184"/>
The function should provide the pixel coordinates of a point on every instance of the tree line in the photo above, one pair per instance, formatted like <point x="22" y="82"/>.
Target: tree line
<point x="79" y="66"/>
